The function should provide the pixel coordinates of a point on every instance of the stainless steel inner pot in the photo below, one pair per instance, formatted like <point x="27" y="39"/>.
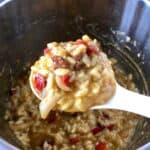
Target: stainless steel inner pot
<point x="26" y="26"/>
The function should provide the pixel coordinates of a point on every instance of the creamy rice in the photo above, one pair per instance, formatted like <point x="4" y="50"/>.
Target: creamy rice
<point x="72" y="76"/>
<point x="91" y="130"/>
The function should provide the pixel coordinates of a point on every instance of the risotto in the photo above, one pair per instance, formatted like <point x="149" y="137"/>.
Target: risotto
<point x="91" y="130"/>
<point x="72" y="76"/>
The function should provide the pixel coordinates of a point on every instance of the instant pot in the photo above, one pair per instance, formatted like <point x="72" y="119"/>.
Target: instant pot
<point x="27" y="25"/>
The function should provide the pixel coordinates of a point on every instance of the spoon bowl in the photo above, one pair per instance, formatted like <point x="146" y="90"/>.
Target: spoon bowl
<point x="122" y="99"/>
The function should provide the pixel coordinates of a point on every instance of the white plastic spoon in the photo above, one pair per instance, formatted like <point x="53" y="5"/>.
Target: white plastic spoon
<point x="126" y="100"/>
<point x="123" y="99"/>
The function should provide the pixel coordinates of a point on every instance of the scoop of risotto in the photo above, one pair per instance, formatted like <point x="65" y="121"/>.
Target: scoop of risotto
<point x="72" y="76"/>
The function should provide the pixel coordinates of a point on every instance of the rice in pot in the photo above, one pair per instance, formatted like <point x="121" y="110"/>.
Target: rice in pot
<point x="91" y="130"/>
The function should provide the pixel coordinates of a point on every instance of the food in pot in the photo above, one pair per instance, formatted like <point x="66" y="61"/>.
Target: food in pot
<point x="72" y="76"/>
<point x="90" y="130"/>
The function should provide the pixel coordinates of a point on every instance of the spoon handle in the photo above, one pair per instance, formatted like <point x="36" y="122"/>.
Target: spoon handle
<point x="127" y="100"/>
